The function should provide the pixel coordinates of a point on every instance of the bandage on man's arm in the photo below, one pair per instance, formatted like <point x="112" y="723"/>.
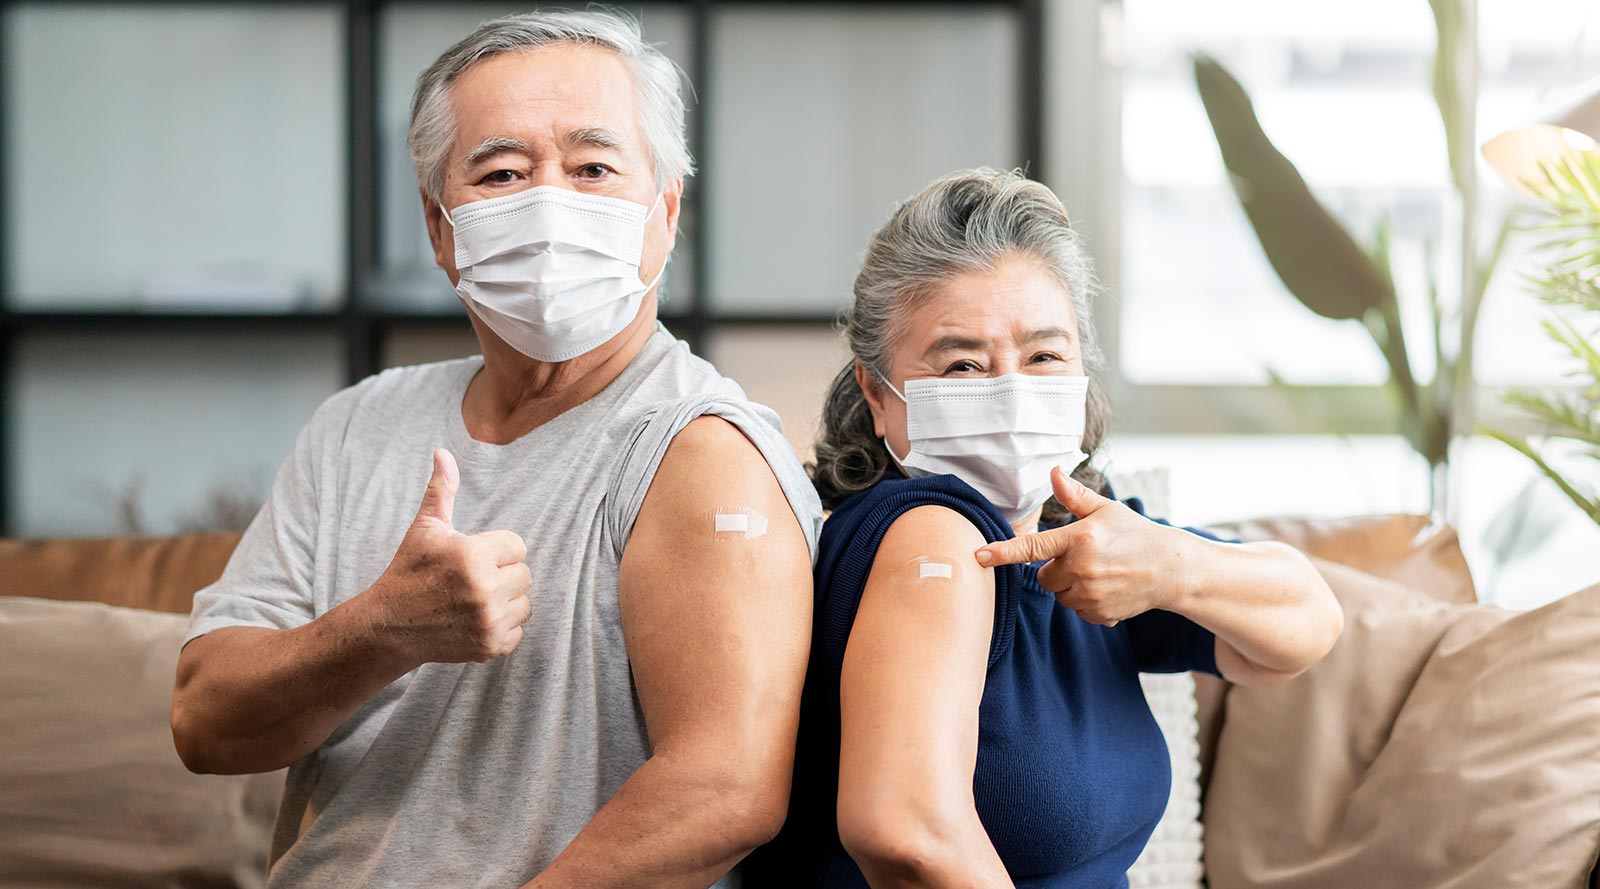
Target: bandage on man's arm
<point x="718" y="625"/>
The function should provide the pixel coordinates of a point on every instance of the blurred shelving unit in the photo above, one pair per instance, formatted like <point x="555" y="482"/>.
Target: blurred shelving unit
<point x="208" y="220"/>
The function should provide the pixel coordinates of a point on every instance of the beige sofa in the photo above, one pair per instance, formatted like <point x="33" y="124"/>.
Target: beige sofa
<point x="1338" y="779"/>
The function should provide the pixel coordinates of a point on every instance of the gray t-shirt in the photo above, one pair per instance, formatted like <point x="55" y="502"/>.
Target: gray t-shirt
<point x="474" y="774"/>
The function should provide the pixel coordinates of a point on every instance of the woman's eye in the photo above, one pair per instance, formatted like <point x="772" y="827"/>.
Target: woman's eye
<point x="500" y="177"/>
<point x="593" y="171"/>
<point x="962" y="366"/>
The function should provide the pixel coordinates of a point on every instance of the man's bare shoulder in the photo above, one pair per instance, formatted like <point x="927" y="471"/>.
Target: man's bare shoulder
<point x="712" y="469"/>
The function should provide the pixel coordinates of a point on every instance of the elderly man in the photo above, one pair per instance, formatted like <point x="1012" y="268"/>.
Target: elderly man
<point x="578" y="661"/>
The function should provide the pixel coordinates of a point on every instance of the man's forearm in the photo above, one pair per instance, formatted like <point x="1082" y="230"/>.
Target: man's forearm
<point x="669" y="825"/>
<point x="249" y="699"/>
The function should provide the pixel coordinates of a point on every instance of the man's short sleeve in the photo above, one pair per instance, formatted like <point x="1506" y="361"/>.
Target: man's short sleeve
<point x="268" y="581"/>
<point x="648" y="444"/>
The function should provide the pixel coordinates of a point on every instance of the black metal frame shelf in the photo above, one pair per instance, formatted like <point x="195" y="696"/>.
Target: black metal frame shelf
<point x="363" y="326"/>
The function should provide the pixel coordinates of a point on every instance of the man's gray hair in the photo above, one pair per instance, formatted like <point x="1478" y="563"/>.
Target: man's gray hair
<point x="657" y="85"/>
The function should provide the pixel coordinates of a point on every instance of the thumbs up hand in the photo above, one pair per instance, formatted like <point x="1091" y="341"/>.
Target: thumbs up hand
<point x="449" y="596"/>
<point x="1109" y="565"/>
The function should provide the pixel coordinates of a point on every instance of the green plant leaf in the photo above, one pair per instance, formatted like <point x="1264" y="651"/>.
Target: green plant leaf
<point x="1519" y="528"/>
<point x="1449" y="29"/>
<point x="1569" y="289"/>
<point x="1561" y="418"/>
<point x="1564" y="333"/>
<point x="1317" y="260"/>
<point x="1586" y="500"/>
<point x="1488" y="263"/>
<point x="1568" y="190"/>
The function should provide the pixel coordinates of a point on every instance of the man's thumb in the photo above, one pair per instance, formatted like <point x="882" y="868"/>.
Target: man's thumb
<point x="1073" y="494"/>
<point x="439" y="500"/>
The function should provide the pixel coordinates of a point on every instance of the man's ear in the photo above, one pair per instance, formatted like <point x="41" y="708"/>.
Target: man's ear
<point x="671" y="203"/>
<point x="433" y="216"/>
<point x="874" y="395"/>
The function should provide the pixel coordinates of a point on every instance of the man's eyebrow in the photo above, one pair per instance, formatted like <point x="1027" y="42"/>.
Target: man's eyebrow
<point x="492" y="146"/>
<point x="1048" y="333"/>
<point x="598" y="137"/>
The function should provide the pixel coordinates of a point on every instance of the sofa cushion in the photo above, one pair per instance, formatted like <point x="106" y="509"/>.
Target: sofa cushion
<point x="1407" y="549"/>
<point x="92" y="792"/>
<point x="1438" y="745"/>
<point x="156" y="573"/>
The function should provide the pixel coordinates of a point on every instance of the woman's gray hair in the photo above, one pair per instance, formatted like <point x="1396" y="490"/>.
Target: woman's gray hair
<point x="968" y="221"/>
<point x="657" y="84"/>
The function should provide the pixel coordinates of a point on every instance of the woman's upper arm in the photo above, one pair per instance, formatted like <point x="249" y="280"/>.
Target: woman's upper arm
<point x="913" y="674"/>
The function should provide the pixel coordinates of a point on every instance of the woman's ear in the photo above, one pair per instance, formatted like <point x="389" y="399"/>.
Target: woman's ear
<point x="874" y="395"/>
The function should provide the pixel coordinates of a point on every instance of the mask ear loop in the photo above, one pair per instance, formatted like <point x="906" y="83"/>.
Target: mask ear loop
<point x="885" y="380"/>
<point x="660" y="201"/>
<point x="887" y="449"/>
<point x="657" y="279"/>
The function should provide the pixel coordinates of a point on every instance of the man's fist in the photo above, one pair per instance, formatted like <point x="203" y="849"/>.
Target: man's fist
<point x="449" y="596"/>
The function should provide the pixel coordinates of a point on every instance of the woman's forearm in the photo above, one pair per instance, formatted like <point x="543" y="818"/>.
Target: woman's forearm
<point x="1264" y="600"/>
<point x="908" y="850"/>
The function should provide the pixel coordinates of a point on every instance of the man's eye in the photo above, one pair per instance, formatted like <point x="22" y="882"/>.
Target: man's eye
<point x="962" y="366"/>
<point x="593" y="171"/>
<point x="500" y="177"/>
<point x="1046" y="356"/>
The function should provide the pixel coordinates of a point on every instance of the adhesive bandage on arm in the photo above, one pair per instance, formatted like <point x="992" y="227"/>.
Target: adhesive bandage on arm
<point x="924" y="569"/>
<point x="738" y="524"/>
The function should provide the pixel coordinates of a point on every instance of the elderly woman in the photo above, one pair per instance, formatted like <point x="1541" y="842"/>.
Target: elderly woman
<point x="972" y="712"/>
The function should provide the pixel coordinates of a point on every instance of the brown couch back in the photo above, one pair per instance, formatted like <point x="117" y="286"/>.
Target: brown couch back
<point x="1406" y="549"/>
<point x="163" y="573"/>
<point x="154" y="573"/>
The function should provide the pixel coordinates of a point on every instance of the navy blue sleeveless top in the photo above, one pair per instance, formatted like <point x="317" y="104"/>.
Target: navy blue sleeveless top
<point x="1072" y="773"/>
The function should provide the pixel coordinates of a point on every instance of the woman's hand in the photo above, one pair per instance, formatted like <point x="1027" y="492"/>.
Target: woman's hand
<point x="1109" y="565"/>
<point x="1271" y="611"/>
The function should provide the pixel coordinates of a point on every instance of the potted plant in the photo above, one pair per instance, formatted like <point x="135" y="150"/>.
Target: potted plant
<point x="1568" y="194"/>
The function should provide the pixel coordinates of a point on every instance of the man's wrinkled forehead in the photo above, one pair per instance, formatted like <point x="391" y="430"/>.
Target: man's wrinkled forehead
<point x="571" y="95"/>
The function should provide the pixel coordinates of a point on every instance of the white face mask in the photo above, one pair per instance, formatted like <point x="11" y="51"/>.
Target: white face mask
<point x="1001" y="435"/>
<point x="553" y="272"/>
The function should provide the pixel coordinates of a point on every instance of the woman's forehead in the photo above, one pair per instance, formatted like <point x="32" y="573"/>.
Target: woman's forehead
<point x="1014" y="302"/>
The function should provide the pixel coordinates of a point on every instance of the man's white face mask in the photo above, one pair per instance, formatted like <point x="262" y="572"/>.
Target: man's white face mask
<point x="1001" y="435"/>
<point x="553" y="272"/>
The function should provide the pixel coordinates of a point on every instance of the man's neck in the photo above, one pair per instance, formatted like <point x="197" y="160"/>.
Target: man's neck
<point x="514" y="394"/>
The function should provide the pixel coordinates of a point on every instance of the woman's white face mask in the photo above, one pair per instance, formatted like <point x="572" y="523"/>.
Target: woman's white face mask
<point x="553" y="272"/>
<point x="1001" y="435"/>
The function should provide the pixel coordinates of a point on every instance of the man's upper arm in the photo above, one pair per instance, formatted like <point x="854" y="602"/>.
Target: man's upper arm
<point x="717" y="613"/>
